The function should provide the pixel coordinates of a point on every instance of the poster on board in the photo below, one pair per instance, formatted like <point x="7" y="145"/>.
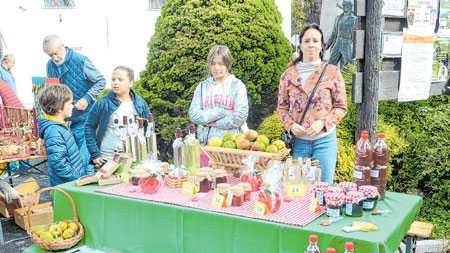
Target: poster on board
<point x="417" y="61"/>
<point x="422" y="13"/>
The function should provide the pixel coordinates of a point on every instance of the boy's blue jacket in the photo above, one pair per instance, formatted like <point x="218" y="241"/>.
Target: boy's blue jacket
<point x="64" y="159"/>
<point x="100" y="114"/>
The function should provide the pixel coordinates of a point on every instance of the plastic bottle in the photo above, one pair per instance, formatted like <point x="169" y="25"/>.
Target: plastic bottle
<point x="192" y="152"/>
<point x="179" y="150"/>
<point x="379" y="171"/>
<point x="363" y="161"/>
<point x="349" y="247"/>
<point x="312" y="247"/>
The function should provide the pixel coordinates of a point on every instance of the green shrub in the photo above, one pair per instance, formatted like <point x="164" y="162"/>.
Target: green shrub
<point x="176" y="62"/>
<point x="272" y="127"/>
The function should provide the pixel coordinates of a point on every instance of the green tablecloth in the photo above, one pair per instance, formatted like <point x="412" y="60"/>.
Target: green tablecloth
<point x="117" y="224"/>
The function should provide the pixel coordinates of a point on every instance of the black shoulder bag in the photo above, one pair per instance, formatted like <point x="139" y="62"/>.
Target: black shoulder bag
<point x="287" y="136"/>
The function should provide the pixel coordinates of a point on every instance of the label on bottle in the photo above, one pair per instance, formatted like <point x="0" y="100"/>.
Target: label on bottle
<point x="349" y="209"/>
<point x="312" y="173"/>
<point x="358" y="174"/>
<point x="332" y="212"/>
<point x="148" y="133"/>
<point x="368" y="204"/>
<point x="214" y="183"/>
<point x="230" y="198"/>
<point x="374" y="173"/>
<point x="292" y="170"/>
<point x="141" y="138"/>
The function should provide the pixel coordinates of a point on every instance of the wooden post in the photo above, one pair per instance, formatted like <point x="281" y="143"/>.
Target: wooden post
<point x="367" y="111"/>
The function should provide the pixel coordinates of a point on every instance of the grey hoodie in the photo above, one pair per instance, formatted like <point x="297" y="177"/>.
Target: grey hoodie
<point x="209" y="104"/>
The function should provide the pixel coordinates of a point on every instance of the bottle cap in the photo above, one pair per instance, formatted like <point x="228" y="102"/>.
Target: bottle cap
<point x="348" y="246"/>
<point x="313" y="238"/>
<point x="141" y="123"/>
<point x="150" y="117"/>
<point x="381" y="136"/>
<point x="331" y="250"/>
<point x="125" y="120"/>
<point x="364" y="132"/>
<point x="365" y="137"/>
<point x="178" y="133"/>
<point x="191" y="128"/>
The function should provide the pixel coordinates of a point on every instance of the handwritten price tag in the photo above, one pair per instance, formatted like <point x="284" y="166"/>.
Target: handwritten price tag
<point x="260" y="208"/>
<point x="188" y="188"/>
<point x="217" y="200"/>
<point x="314" y="206"/>
<point x="295" y="190"/>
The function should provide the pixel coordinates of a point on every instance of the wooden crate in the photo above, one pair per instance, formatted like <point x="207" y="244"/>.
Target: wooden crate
<point x="7" y="210"/>
<point x="174" y="182"/>
<point x="41" y="214"/>
<point x="231" y="159"/>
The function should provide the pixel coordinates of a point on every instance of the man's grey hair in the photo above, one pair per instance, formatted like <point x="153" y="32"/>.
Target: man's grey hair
<point x="8" y="58"/>
<point x="50" y="39"/>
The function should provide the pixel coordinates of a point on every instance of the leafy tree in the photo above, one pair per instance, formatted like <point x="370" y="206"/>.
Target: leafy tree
<point x="185" y="32"/>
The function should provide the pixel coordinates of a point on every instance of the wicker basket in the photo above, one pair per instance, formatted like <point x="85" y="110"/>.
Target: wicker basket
<point x="58" y="245"/>
<point x="231" y="159"/>
<point x="174" y="182"/>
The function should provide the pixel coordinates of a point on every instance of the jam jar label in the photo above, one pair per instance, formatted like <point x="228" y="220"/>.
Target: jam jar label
<point x="319" y="197"/>
<point x="349" y="209"/>
<point x="375" y="173"/>
<point x="332" y="212"/>
<point x="368" y="204"/>
<point x="358" y="174"/>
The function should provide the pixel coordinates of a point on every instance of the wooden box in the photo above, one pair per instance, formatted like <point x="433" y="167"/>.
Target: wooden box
<point x="174" y="182"/>
<point x="7" y="210"/>
<point x="41" y="214"/>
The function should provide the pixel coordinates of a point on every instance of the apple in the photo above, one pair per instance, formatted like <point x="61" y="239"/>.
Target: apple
<point x="47" y="236"/>
<point x="63" y="225"/>
<point x="73" y="225"/>
<point x="69" y="233"/>
<point x="55" y="230"/>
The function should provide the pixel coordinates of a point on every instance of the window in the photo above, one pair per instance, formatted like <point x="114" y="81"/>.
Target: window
<point x="156" y="4"/>
<point x="59" y="3"/>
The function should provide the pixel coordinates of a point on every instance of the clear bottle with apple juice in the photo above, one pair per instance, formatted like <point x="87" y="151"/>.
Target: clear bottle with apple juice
<point x="192" y="152"/>
<point x="179" y="150"/>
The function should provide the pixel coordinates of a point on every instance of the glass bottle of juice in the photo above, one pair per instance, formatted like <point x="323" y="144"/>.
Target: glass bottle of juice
<point x="179" y="150"/>
<point x="379" y="171"/>
<point x="312" y="247"/>
<point x="349" y="247"/>
<point x="192" y="152"/>
<point x="363" y="161"/>
<point x="126" y="142"/>
<point x="152" y="149"/>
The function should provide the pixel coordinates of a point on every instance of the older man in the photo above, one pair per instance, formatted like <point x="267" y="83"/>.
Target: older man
<point x="341" y="39"/>
<point x="8" y="61"/>
<point x="80" y="75"/>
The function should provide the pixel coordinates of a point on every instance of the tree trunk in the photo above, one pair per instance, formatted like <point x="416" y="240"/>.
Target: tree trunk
<point x="367" y="111"/>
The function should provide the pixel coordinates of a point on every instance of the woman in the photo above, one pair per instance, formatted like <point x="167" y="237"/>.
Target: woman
<point x="316" y="136"/>
<point x="102" y="125"/>
<point x="220" y="103"/>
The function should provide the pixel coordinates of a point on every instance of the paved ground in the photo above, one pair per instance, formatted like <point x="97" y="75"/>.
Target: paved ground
<point x="17" y="239"/>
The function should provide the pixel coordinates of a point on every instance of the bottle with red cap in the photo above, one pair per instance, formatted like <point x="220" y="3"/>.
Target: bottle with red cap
<point x="363" y="160"/>
<point x="348" y="247"/>
<point x="312" y="247"/>
<point x="378" y="173"/>
<point x="331" y="250"/>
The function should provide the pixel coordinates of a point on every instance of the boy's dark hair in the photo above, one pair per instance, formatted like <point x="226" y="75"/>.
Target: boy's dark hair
<point x="53" y="97"/>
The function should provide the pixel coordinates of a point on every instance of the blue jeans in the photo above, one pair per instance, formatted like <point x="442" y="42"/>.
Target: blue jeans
<point x="78" y="132"/>
<point x="324" y="149"/>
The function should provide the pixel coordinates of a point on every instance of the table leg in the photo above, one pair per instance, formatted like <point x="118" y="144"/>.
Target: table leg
<point x="2" y="240"/>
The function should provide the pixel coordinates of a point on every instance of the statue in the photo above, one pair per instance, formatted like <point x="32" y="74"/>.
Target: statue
<point x="341" y="39"/>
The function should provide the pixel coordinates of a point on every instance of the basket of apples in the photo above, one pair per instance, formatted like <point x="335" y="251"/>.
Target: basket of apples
<point x="58" y="235"/>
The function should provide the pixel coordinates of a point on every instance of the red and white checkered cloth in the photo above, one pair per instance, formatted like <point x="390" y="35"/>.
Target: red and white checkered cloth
<point x="296" y="212"/>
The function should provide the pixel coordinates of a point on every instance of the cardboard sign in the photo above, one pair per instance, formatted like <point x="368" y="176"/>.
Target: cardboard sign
<point x="188" y="188"/>
<point x="217" y="200"/>
<point x="295" y="190"/>
<point x="260" y="208"/>
<point x="314" y="206"/>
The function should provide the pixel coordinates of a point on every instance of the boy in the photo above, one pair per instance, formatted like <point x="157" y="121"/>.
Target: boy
<point x="64" y="158"/>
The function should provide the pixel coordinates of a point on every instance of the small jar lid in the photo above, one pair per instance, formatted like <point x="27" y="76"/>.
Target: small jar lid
<point x="354" y="196"/>
<point x="369" y="191"/>
<point x="219" y="173"/>
<point x="237" y="190"/>
<point x="321" y="186"/>
<point x="348" y="186"/>
<point x="246" y="186"/>
<point x="335" y="190"/>
<point x="202" y="175"/>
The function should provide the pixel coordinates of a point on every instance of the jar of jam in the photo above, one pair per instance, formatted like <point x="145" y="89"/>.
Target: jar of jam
<point x="319" y="190"/>
<point x="203" y="180"/>
<point x="247" y="189"/>
<point x="238" y="195"/>
<point x="220" y="176"/>
<point x="354" y="204"/>
<point x="223" y="190"/>
<point x="335" y="202"/>
<point x="371" y="194"/>
<point x="348" y="186"/>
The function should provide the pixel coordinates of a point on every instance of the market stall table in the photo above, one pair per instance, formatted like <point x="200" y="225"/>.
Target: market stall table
<point x="118" y="224"/>
<point x="27" y="160"/>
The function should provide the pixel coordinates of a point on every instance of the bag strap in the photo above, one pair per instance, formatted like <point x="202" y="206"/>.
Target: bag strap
<point x="312" y="94"/>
